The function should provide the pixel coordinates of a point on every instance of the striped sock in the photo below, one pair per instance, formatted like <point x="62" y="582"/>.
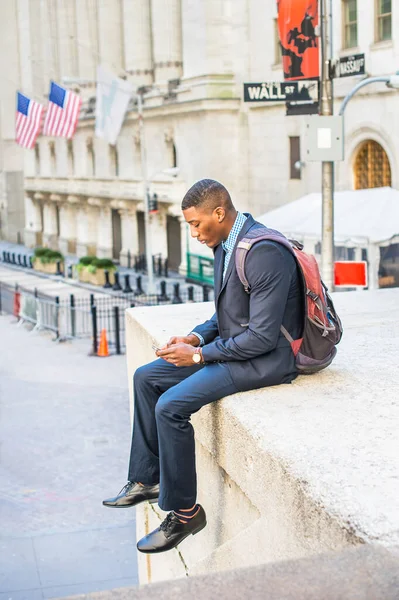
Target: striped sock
<point x="185" y="514"/>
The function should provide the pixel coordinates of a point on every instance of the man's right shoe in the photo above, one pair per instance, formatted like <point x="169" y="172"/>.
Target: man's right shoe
<point x="132" y="494"/>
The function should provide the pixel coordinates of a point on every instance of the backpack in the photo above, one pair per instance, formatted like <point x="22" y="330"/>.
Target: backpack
<point x="322" y="329"/>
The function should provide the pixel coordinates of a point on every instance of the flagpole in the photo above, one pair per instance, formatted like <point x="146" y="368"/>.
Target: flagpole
<point x="148" y="252"/>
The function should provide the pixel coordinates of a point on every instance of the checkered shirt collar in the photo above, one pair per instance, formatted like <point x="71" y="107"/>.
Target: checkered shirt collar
<point x="229" y="244"/>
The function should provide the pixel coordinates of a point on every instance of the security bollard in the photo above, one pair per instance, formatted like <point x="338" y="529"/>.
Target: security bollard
<point x="25" y="262"/>
<point x="159" y="266"/>
<point x="70" y="271"/>
<point x="129" y="260"/>
<point x="117" y="286"/>
<point x="163" y="297"/>
<point x="4" y="256"/>
<point x="127" y="289"/>
<point x="190" y="292"/>
<point x="176" y="294"/>
<point x="205" y="292"/>
<point x="19" y="260"/>
<point x="31" y="262"/>
<point x="139" y="289"/>
<point x="107" y="283"/>
<point x="14" y="261"/>
<point x="59" y="272"/>
<point x="166" y="268"/>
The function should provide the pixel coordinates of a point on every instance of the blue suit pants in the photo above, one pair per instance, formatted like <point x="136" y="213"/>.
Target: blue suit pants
<point x="163" y="446"/>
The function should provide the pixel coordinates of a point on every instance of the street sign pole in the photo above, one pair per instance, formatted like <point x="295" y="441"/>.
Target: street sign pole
<point x="327" y="240"/>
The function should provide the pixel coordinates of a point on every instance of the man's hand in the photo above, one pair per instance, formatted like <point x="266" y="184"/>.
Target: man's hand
<point x="191" y="339"/>
<point x="179" y="354"/>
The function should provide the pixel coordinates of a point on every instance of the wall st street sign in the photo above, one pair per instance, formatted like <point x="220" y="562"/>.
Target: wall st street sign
<point x="350" y="65"/>
<point x="281" y="91"/>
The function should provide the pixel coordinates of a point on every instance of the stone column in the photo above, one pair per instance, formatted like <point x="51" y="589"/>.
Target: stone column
<point x="208" y="38"/>
<point x="25" y="46"/>
<point x="137" y="41"/>
<point x="130" y="242"/>
<point x="166" y="40"/>
<point x="67" y="38"/>
<point x="103" y="227"/>
<point x="87" y="225"/>
<point x="110" y="35"/>
<point x="50" y="234"/>
<point x="33" y="221"/>
<point x="68" y="225"/>
<point x="87" y="39"/>
<point x="158" y="232"/>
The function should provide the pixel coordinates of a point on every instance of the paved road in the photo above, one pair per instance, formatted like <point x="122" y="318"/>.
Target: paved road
<point x="64" y="442"/>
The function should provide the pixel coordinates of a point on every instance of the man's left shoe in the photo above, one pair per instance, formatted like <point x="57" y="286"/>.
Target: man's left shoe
<point x="171" y="532"/>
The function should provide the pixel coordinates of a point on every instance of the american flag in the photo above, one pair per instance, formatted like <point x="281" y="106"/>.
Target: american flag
<point x="62" y="112"/>
<point x="28" y="121"/>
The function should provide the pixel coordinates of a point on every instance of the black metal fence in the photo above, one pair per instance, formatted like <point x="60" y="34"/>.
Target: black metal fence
<point x="88" y="317"/>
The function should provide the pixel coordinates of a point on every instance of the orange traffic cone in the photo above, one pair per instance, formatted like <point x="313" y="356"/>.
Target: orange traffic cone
<point x="103" y="347"/>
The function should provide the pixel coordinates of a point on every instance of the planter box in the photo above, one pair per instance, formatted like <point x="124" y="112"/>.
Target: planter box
<point x="97" y="278"/>
<point x="50" y="268"/>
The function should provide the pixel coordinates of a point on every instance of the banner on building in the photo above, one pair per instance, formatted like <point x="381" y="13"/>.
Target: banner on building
<point x="113" y="95"/>
<point x="297" y="21"/>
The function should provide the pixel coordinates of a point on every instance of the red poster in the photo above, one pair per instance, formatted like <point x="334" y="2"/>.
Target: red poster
<point x="297" y="20"/>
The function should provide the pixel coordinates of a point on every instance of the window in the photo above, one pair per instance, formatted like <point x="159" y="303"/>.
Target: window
<point x="372" y="168"/>
<point x="71" y="159"/>
<point x="53" y="160"/>
<point x="277" y="44"/>
<point x="113" y="154"/>
<point x="295" y="158"/>
<point x="384" y="20"/>
<point x="349" y="11"/>
<point x="37" y="159"/>
<point x="91" y="159"/>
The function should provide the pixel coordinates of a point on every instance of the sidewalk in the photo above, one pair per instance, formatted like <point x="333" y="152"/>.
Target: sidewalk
<point x="64" y="439"/>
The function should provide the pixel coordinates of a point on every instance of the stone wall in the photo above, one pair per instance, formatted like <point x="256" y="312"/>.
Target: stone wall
<point x="294" y="470"/>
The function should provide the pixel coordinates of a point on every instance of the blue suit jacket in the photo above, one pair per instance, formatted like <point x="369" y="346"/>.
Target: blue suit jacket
<point x="245" y="332"/>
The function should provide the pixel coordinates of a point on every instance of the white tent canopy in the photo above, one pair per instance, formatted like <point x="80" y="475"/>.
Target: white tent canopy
<point x="361" y="217"/>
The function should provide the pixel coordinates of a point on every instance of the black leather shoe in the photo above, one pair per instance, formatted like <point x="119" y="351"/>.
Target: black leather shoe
<point x="132" y="494"/>
<point x="171" y="532"/>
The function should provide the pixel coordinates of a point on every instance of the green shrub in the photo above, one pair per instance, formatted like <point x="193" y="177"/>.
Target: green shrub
<point x="41" y="252"/>
<point x="86" y="260"/>
<point x="46" y="255"/>
<point x="103" y="263"/>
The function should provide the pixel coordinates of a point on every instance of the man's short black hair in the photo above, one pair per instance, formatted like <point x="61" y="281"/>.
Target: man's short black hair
<point x="208" y="194"/>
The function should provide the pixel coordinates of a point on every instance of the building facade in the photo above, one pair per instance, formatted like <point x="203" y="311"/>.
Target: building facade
<point x="84" y="196"/>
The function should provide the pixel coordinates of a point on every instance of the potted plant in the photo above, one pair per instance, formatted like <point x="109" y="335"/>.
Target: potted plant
<point x="45" y="260"/>
<point x="91" y="270"/>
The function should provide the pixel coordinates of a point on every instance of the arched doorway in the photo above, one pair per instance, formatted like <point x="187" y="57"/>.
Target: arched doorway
<point x="372" y="168"/>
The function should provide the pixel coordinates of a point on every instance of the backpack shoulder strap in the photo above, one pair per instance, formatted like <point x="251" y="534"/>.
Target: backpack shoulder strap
<point x="254" y="236"/>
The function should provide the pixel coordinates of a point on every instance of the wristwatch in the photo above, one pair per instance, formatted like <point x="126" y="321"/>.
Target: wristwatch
<point x="197" y="356"/>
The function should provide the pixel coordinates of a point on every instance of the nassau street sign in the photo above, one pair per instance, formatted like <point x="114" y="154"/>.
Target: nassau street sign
<point x="281" y="91"/>
<point x="350" y="65"/>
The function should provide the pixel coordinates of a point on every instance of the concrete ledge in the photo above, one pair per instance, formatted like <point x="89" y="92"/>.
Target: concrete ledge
<point x="294" y="470"/>
<point x="365" y="573"/>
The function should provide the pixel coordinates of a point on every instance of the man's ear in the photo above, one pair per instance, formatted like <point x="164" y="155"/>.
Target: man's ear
<point x="220" y="213"/>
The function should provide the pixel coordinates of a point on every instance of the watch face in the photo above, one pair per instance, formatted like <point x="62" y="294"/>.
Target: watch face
<point x="196" y="357"/>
